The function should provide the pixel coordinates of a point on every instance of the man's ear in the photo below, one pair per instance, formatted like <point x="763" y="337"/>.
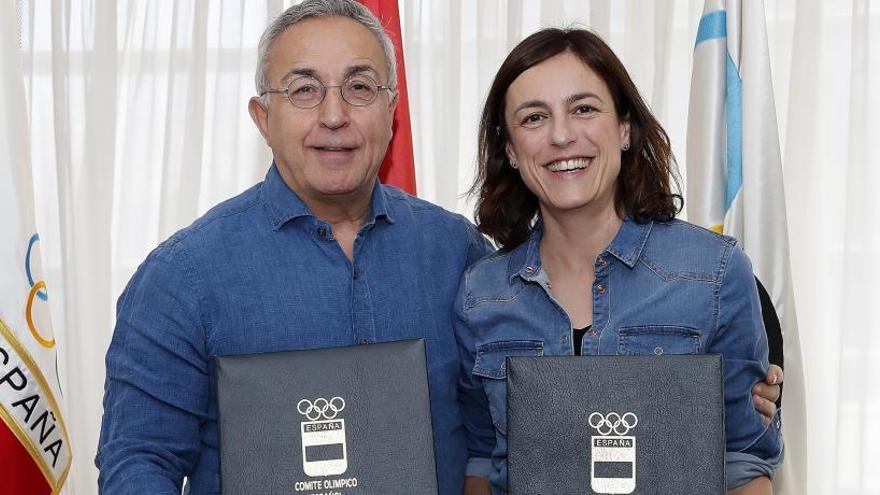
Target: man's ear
<point x="394" y="99"/>
<point x="392" y="107"/>
<point x="260" y="116"/>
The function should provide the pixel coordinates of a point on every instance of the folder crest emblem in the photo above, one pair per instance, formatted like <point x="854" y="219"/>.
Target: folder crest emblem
<point x="324" y="449"/>
<point x="613" y="453"/>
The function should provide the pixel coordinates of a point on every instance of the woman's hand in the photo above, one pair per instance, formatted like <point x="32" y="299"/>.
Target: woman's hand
<point x="766" y="393"/>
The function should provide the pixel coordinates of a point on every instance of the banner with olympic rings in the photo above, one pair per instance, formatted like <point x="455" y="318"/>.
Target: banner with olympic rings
<point x="35" y="447"/>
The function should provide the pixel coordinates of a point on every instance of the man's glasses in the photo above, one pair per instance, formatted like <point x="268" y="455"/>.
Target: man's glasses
<point x="307" y="92"/>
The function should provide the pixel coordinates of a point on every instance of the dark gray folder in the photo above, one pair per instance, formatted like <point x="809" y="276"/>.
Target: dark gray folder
<point x="615" y="424"/>
<point x="348" y="420"/>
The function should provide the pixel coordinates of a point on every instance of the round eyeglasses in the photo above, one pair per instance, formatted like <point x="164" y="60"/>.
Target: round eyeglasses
<point x="307" y="92"/>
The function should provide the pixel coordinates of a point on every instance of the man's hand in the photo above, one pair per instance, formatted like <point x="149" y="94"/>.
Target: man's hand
<point x="476" y="486"/>
<point x="758" y="486"/>
<point x="766" y="393"/>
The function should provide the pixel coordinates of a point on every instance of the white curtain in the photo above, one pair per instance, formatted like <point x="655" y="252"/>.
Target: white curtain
<point x="139" y="124"/>
<point x="827" y="72"/>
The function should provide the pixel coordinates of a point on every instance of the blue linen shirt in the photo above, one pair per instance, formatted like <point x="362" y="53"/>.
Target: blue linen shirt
<point x="261" y="273"/>
<point x="671" y="288"/>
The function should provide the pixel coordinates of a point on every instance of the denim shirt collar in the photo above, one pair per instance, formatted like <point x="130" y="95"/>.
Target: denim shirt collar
<point x="629" y="242"/>
<point x="627" y="246"/>
<point x="282" y="204"/>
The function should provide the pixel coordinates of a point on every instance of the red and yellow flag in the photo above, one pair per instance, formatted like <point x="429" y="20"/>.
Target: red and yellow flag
<point x="398" y="168"/>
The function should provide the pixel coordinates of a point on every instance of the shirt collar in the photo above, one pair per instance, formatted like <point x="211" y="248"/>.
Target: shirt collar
<point x="627" y="246"/>
<point x="525" y="259"/>
<point x="282" y="204"/>
<point x="629" y="242"/>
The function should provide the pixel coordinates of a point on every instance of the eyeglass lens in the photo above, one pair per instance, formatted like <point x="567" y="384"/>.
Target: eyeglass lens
<point x="308" y="92"/>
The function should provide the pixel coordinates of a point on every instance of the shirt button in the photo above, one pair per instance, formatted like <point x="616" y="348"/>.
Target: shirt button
<point x="594" y="333"/>
<point x="530" y="269"/>
<point x="322" y="232"/>
<point x="600" y="289"/>
<point x="564" y="339"/>
<point x="602" y="261"/>
<point x="364" y="341"/>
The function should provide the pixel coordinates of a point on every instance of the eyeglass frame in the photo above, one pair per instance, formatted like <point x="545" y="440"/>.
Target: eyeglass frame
<point x="325" y="87"/>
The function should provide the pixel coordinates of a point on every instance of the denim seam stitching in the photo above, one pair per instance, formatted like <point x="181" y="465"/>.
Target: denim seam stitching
<point x="722" y="272"/>
<point x="191" y="271"/>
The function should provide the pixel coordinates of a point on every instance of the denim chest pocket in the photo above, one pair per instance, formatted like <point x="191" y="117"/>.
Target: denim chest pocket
<point x="647" y="340"/>
<point x="491" y="365"/>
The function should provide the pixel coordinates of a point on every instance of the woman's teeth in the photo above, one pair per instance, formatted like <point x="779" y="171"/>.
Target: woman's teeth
<point x="566" y="165"/>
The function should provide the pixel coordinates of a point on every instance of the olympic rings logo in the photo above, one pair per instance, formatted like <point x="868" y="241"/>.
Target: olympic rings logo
<point x="38" y="289"/>
<point x="613" y="422"/>
<point x="321" y="407"/>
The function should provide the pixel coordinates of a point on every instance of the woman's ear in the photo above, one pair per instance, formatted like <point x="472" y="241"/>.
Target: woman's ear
<point x="511" y="156"/>
<point x="624" y="134"/>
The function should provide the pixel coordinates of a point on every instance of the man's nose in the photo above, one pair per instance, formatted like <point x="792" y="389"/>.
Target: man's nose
<point x="333" y="111"/>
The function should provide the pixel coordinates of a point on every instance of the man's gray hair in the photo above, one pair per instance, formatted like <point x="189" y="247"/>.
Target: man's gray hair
<point x="321" y="8"/>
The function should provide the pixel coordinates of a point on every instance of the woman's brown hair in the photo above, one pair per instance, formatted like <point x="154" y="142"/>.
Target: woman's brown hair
<point x="506" y="210"/>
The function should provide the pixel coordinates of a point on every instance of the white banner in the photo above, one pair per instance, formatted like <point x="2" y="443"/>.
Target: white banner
<point x="29" y="387"/>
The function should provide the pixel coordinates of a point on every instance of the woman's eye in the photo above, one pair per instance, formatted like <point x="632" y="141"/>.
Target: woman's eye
<point x="584" y="109"/>
<point x="532" y="120"/>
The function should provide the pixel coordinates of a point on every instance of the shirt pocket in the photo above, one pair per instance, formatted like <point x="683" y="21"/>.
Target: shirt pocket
<point x="490" y="365"/>
<point x="647" y="340"/>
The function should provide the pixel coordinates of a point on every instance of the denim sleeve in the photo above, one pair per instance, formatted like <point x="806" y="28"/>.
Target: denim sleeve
<point x="740" y="467"/>
<point x="753" y="449"/>
<point x="156" y="391"/>
<point x="479" y="245"/>
<point x="479" y="430"/>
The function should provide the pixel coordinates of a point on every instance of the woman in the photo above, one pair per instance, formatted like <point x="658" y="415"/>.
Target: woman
<point x="575" y="185"/>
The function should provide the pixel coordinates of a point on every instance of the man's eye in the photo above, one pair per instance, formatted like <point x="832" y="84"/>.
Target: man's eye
<point x="304" y="90"/>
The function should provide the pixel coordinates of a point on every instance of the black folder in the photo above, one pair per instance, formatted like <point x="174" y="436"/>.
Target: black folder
<point x="615" y="425"/>
<point x="347" y="420"/>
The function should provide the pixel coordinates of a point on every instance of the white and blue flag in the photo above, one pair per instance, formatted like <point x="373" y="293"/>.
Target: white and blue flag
<point x="734" y="181"/>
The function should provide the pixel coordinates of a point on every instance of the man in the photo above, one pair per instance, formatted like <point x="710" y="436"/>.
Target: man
<point x="317" y="255"/>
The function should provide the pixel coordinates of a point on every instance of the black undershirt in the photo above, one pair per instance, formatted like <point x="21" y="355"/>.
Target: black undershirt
<point x="579" y="338"/>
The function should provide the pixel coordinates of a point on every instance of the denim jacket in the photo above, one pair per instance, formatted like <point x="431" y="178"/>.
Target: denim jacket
<point x="660" y="288"/>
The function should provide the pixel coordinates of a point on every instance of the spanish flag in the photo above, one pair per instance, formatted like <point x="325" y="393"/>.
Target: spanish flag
<point x="35" y="451"/>
<point x="734" y="182"/>
<point x="398" y="168"/>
